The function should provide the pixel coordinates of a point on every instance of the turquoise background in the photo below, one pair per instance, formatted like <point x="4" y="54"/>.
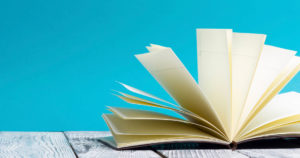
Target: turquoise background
<point x="59" y="59"/>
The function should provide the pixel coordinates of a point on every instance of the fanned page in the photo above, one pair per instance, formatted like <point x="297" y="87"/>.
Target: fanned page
<point x="271" y="63"/>
<point x="132" y="132"/>
<point x="186" y="114"/>
<point x="140" y="92"/>
<point x="292" y="130"/>
<point x="132" y="141"/>
<point x="152" y="127"/>
<point x="172" y="75"/>
<point x="246" y="50"/>
<point x="135" y="114"/>
<point x="282" y="110"/>
<point x="287" y="73"/>
<point x="213" y="46"/>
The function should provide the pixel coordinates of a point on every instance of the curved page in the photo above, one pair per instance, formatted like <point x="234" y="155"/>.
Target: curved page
<point x="172" y="75"/>
<point x="135" y="114"/>
<point x="190" y="116"/>
<point x="271" y="63"/>
<point x="282" y="109"/>
<point x="286" y="131"/>
<point x="246" y="50"/>
<point x="152" y="127"/>
<point x="133" y="141"/>
<point x="140" y="92"/>
<point x="213" y="51"/>
<point x="281" y="80"/>
<point x="120" y="141"/>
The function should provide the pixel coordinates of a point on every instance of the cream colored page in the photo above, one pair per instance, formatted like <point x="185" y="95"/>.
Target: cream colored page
<point x="213" y="50"/>
<point x="289" y="130"/>
<point x="289" y="71"/>
<point x="190" y="116"/>
<point x="136" y="114"/>
<point x="152" y="127"/>
<point x="271" y="63"/>
<point x="136" y="100"/>
<point x="133" y="140"/>
<point x="127" y="113"/>
<point x="246" y="50"/>
<point x="177" y="108"/>
<point x="125" y="140"/>
<point x="286" y="130"/>
<point x="140" y="92"/>
<point x="280" y="107"/>
<point x="122" y="141"/>
<point x="172" y="75"/>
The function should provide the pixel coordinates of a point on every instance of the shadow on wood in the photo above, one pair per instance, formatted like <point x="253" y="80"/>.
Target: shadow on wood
<point x="271" y="143"/>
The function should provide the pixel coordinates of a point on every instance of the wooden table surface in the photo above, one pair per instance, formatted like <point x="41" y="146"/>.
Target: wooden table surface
<point x="86" y="145"/>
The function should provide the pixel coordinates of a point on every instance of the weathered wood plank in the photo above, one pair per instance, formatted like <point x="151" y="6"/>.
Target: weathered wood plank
<point x="257" y="149"/>
<point x="271" y="153"/>
<point x="218" y="153"/>
<point x="86" y="145"/>
<point x="34" y="145"/>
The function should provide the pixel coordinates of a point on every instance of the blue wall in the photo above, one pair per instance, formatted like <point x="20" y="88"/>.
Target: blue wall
<point x="59" y="59"/>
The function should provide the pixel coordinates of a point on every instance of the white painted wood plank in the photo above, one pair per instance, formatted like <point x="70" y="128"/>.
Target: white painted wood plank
<point x="203" y="153"/>
<point x="271" y="153"/>
<point x="34" y="145"/>
<point x="86" y="145"/>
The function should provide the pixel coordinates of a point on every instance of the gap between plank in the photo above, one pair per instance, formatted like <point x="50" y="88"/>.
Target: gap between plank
<point x="70" y="144"/>
<point x="150" y="148"/>
<point x="157" y="152"/>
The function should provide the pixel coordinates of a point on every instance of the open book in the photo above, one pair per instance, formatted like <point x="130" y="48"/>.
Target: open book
<point x="235" y="99"/>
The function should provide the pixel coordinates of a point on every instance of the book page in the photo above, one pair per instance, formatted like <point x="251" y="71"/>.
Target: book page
<point x="136" y="114"/>
<point x="172" y="75"/>
<point x="289" y="71"/>
<point x="140" y="92"/>
<point x="213" y="51"/>
<point x="271" y="63"/>
<point x="290" y="129"/>
<point x="282" y="109"/>
<point x="246" y="50"/>
<point x="186" y="114"/>
<point x="153" y="127"/>
<point x="127" y="141"/>
<point x="287" y="130"/>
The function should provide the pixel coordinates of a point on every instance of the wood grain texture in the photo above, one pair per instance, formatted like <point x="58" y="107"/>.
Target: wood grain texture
<point x="87" y="145"/>
<point x="34" y="145"/>
<point x="216" y="153"/>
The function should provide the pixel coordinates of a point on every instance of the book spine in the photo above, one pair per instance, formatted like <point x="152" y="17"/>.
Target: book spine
<point x="233" y="145"/>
